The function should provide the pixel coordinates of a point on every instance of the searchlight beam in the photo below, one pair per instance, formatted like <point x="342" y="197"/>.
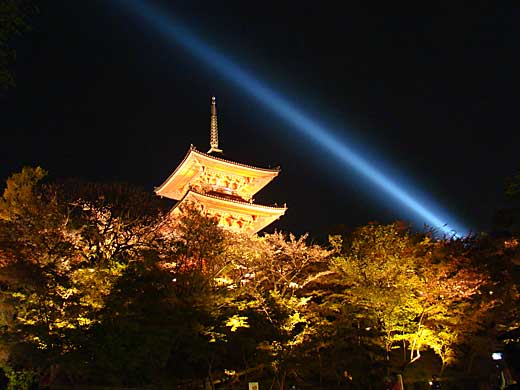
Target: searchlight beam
<point x="418" y="208"/>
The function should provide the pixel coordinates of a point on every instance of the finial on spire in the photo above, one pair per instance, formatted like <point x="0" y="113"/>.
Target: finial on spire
<point x="213" y="138"/>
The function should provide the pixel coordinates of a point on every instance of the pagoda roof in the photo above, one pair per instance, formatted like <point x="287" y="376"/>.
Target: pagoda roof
<point x="263" y="215"/>
<point x="193" y="165"/>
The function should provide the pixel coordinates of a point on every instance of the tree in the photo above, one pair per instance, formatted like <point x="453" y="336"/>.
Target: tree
<point x="63" y="249"/>
<point x="13" y="16"/>
<point x="36" y="257"/>
<point x="161" y="319"/>
<point x="410" y="292"/>
<point x="378" y="272"/>
<point x="454" y="300"/>
<point x="98" y="281"/>
<point x="270" y="276"/>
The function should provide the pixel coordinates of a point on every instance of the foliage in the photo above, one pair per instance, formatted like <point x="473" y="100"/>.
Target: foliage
<point x="36" y="257"/>
<point x="512" y="189"/>
<point x="379" y="273"/>
<point x="13" y="16"/>
<point x="411" y="292"/>
<point x="59" y="260"/>
<point x="18" y="379"/>
<point x="275" y="287"/>
<point x="455" y="299"/>
<point x="100" y="286"/>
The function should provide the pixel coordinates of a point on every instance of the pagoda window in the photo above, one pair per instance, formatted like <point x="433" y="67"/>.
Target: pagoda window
<point x="229" y="220"/>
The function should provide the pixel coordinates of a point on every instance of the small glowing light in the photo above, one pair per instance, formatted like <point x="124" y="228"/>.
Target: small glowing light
<point x="496" y="356"/>
<point x="513" y="243"/>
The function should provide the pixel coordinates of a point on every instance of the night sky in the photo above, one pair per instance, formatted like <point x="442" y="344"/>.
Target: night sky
<point x="434" y="91"/>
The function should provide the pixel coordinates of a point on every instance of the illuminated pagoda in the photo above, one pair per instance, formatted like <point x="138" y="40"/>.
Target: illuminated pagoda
<point x="223" y="189"/>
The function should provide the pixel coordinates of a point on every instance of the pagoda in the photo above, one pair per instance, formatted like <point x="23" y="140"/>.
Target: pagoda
<point x="223" y="189"/>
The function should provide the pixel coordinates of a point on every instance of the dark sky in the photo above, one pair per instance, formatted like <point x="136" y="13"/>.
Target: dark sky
<point x="435" y="91"/>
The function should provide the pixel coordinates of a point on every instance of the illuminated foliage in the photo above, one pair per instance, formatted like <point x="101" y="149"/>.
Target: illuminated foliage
<point x="269" y="277"/>
<point x="36" y="257"/>
<point x="19" y="199"/>
<point x="379" y="275"/>
<point x="191" y="248"/>
<point x="410" y="292"/>
<point x="97" y="284"/>
<point x="453" y="300"/>
<point x="60" y="255"/>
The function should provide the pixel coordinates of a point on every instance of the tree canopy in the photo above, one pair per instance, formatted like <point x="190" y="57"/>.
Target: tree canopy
<point x="13" y="21"/>
<point x="99" y="287"/>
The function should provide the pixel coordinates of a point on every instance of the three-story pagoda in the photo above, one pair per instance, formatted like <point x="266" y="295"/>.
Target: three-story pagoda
<point x="223" y="189"/>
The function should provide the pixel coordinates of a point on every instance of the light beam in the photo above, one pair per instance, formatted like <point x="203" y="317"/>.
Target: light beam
<point x="420" y="209"/>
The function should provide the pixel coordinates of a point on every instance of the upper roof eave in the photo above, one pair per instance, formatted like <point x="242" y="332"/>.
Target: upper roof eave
<point x="275" y="170"/>
<point x="193" y="150"/>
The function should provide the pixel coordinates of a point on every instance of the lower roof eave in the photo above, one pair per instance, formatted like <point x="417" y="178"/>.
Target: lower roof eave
<point x="231" y="204"/>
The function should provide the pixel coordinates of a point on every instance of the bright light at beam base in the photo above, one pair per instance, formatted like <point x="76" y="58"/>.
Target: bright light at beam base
<point x="380" y="184"/>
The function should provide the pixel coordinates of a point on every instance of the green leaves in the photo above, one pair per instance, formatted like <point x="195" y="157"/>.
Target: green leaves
<point x="236" y="322"/>
<point x="20" y="198"/>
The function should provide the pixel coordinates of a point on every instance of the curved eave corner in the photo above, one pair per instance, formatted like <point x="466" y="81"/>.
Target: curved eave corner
<point x="160" y="190"/>
<point x="274" y="171"/>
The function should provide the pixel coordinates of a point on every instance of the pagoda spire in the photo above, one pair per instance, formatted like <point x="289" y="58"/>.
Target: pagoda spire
<point x="213" y="138"/>
<point x="221" y="189"/>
